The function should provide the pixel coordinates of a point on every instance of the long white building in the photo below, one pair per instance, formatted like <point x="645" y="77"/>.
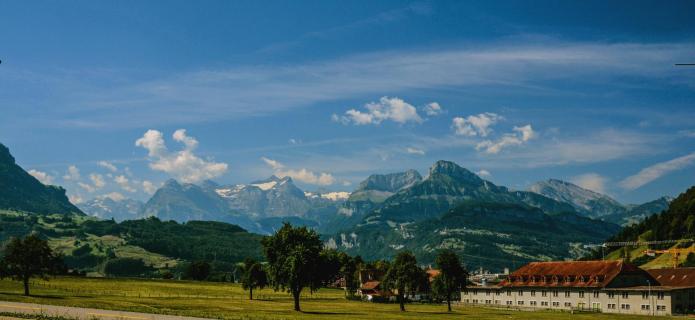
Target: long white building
<point x="603" y="286"/>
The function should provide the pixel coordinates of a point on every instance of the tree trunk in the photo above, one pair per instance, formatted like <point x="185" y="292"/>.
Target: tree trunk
<point x="295" y="295"/>
<point x="250" y="293"/>
<point x="448" y="303"/>
<point x="26" y="286"/>
<point x="401" y="302"/>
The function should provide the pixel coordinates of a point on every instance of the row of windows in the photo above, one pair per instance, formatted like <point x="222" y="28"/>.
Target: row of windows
<point x="611" y="306"/>
<point x="544" y="293"/>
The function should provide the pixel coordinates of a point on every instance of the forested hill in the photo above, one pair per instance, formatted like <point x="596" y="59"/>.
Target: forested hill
<point x="22" y="192"/>
<point x="677" y="222"/>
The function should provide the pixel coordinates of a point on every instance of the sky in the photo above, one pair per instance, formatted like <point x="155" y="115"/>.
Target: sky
<point x="114" y="98"/>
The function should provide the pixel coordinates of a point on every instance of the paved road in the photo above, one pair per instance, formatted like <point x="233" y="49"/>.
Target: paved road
<point x="83" y="313"/>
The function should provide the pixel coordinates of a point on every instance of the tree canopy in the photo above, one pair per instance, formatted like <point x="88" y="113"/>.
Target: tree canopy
<point x="27" y="258"/>
<point x="404" y="276"/>
<point x="452" y="276"/>
<point x="253" y="276"/>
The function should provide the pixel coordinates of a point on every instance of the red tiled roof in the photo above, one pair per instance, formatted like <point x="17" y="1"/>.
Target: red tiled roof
<point x="370" y="285"/>
<point x="432" y="273"/>
<point x="679" y="277"/>
<point x="569" y="274"/>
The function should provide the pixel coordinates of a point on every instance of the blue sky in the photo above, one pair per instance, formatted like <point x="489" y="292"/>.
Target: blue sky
<point x="116" y="97"/>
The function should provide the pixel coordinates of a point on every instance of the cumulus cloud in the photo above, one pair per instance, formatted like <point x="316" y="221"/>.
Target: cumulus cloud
<point x="115" y="196"/>
<point x="475" y="125"/>
<point x="43" y="177"/>
<point x="124" y="183"/>
<point x="108" y="165"/>
<point x="87" y="187"/>
<point x="76" y="199"/>
<point x="73" y="174"/>
<point x="391" y="109"/>
<point x="184" y="164"/>
<point x="433" y="109"/>
<point x="97" y="180"/>
<point x="417" y="151"/>
<point x="656" y="171"/>
<point x="303" y="175"/>
<point x="149" y="187"/>
<point x="520" y="136"/>
<point x="483" y="173"/>
<point x="591" y="181"/>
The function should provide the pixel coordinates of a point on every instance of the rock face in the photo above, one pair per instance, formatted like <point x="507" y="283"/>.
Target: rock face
<point x="21" y="191"/>
<point x="596" y="205"/>
<point x="119" y="210"/>
<point x="273" y="197"/>
<point x="390" y="182"/>
<point x="586" y="202"/>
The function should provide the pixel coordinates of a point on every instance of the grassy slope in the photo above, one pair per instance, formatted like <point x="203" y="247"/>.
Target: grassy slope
<point x="229" y="301"/>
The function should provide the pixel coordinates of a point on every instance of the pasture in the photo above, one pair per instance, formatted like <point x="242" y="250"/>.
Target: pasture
<point x="229" y="301"/>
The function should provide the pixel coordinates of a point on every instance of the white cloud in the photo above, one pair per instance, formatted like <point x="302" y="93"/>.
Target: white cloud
<point x="417" y="151"/>
<point x="86" y="186"/>
<point x="656" y="171"/>
<point x="484" y="173"/>
<point x="521" y="136"/>
<point x="393" y="109"/>
<point x="43" y="177"/>
<point x="149" y="187"/>
<point x="184" y="164"/>
<point x="303" y="175"/>
<point x="107" y="165"/>
<point x="433" y="109"/>
<point x="97" y="180"/>
<point x="76" y="199"/>
<point x="124" y="183"/>
<point x="473" y="125"/>
<point x="73" y="174"/>
<point x="591" y="181"/>
<point x="115" y="196"/>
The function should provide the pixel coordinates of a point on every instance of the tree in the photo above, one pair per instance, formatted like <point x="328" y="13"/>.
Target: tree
<point x="253" y="276"/>
<point x="126" y="267"/>
<point x="199" y="270"/>
<point x="348" y="270"/>
<point x="403" y="276"/>
<point x="293" y="256"/>
<point x="452" y="277"/>
<point x="27" y="258"/>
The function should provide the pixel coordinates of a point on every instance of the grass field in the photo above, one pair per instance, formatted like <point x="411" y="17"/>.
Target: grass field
<point x="229" y="301"/>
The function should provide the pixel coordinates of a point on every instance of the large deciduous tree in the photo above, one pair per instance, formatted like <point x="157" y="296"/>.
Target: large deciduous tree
<point x="253" y="276"/>
<point x="452" y="277"/>
<point x="403" y="276"/>
<point x="27" y="258"/>
<point x="294" y="260"/>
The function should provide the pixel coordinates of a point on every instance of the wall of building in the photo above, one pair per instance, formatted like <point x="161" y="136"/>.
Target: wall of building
<point x="608" y="301"/>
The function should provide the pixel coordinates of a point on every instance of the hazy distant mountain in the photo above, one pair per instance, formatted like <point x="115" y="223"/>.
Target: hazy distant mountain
<point x="187" y="202"/>
<point x="107" y="208"/>
<point x="272" y="197"/>
<point x="21" y="191"/>
<point x="597" y="205"/>
<point x="586" y="202"/>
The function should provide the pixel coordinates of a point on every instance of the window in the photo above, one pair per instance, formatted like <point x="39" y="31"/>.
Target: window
<point x="625" y="306"/>
<point x="488" y="301"/>
<point x="520" y="302"/>
<point x="475" y="300"/>
<point x="645" y="295"/>
<point x="595" y="294"/>
<point x="521" y="293"/>
<point x="475" y="291"/>
<point x="544" y="293"/>
<point x="625" y="294"/>
<point x="556" y="304"/>
<point x="533" y="293"/>
<point x="465" y="292"/>
<point x="509" y="292"/>
<point x="509" y="302"/>
<point x="611" y="306"/>
<point x="611" y="295"/>
<point x="568" y="304"/>
<point x="645" y="307"/>
<point x="466" y="301"/>
<point x="567" y="294"/>
<point x="533" y="303"/>
<point x="596" y="305"/>
<point x="497" y="292"/>
<point x="555" y="293"/>
<point x="581" y="294"/>
<point x="660" y="295"/>
<point x="660" y="308"/>
<point x="497" y="302"/>
<point x="544" y="303"/>
<point x="487" y="292"/>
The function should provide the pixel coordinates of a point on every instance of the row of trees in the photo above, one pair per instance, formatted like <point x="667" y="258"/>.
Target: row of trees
<point x="296" y="260"/>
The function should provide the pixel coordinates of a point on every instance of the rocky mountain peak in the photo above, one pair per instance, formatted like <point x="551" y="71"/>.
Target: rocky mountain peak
<point x="453" y="170"/>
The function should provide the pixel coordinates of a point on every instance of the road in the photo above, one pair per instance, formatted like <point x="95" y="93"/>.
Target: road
<point x="83" y="313"/>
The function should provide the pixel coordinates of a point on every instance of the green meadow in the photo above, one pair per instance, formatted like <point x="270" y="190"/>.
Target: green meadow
<point x="229" y="301"/>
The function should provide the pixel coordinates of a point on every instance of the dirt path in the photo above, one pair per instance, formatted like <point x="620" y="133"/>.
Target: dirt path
<point x="83" y="313"/>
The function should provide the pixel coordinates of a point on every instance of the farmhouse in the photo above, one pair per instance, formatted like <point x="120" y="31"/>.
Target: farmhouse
<point x="605" y="286"/>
